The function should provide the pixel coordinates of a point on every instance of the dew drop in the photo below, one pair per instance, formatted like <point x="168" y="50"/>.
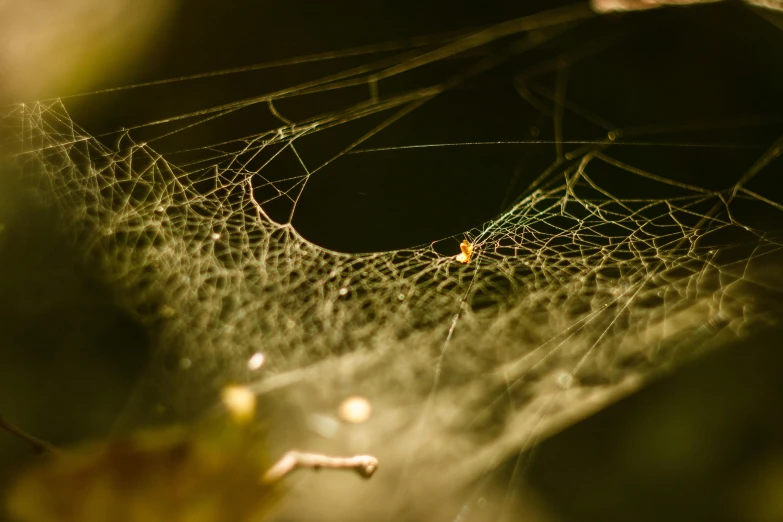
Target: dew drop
<point x="355" y="409"/>
<point x="256" y="361"/>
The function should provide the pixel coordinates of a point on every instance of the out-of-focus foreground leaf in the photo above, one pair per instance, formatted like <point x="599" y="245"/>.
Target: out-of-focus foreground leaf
<point x="170" y="475"/>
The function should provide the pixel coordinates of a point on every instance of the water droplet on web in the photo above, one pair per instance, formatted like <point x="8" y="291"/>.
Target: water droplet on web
<point x="401" y="297"/>
<point x="185" y="363"/>
<point x="240" y="403"/>
<point x="215" y="236"/>
<point x="256" y="361"/>
<point x="565" y="380"/>
<point x="355" y="409"/>
<point x="343" y="291"/>
<point x="160" y="210"/>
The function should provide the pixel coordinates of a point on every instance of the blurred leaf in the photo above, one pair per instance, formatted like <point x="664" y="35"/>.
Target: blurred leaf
<point x="167" y="475"/>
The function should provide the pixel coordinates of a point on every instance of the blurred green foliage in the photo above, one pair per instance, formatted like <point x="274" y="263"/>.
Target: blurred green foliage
<point x="211" y="474"/>
<point x="69" y="358"/>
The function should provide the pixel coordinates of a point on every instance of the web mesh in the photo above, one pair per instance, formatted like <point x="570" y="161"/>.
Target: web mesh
<point x="581" y="290"/>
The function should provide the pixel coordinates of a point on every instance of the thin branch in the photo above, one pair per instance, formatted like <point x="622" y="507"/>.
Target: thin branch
<point x="364" y="465"/>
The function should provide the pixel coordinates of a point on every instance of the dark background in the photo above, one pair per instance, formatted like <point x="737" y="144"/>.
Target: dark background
<point x="704" y="444"/>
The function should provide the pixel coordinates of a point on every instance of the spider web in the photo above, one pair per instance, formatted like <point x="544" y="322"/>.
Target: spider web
<point x="596" y="277"/>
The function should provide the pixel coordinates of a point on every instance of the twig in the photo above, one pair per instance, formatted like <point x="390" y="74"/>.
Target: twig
<point x="364" y="465"/>
<point x="41" y="446"/>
